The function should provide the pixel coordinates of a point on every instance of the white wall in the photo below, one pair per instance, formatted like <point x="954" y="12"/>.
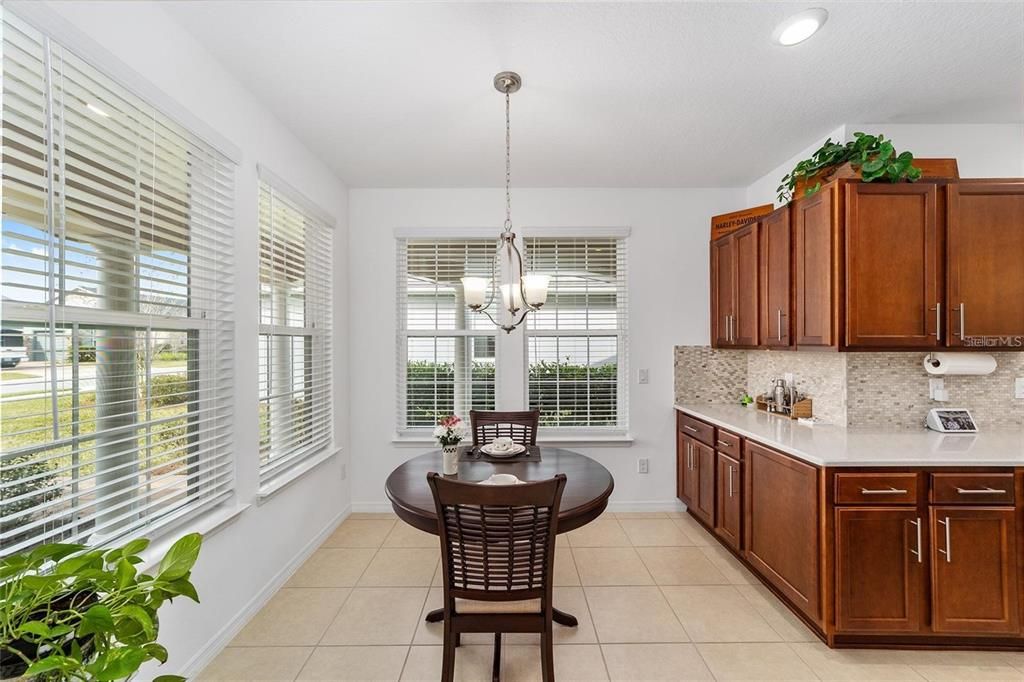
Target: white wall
<point x="983" y="150"/>
<point x="245" y="557"/>
<point x="668" y="290"/>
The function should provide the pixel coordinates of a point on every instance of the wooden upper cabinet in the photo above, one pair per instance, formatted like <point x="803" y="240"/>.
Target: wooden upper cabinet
<point x="734" y="275"/>
<point x="879" y="570"/>
<point x="816" y="228"/>
<point x="974" y="570"/>
<point x="985" y="282"/>
<point x="723" y="275"/>
<point x="782" y="513"/>
<point x="776" y="280"/>
<point x="893" y="265"/>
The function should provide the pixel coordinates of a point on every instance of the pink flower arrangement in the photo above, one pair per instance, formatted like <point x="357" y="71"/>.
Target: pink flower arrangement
<point x="450" y="430"/>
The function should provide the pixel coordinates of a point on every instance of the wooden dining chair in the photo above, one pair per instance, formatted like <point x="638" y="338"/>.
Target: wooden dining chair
<point x="497" y="557"/>
<point x="521" y="427"/>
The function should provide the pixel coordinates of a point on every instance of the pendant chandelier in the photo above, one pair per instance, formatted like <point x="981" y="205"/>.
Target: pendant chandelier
<point x="523" y="292"/>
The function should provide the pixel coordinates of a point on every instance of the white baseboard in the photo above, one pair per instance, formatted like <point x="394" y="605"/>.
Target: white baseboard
<point x="372" y="507"/>
<point x="624" y="506"/>
<point x="647" y="506"/>
<point x="204" y="656"/>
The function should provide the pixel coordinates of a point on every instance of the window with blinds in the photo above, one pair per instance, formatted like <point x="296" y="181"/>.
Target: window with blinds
<point x="295" y="414"/>
<point x="446" y="356"/>
<point x="116" y="392"/>
<point x="576" y="343"/>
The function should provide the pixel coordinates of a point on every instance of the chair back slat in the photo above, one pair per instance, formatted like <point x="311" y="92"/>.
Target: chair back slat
<point x="521" y="427"/>
<point x="497" y="542"/>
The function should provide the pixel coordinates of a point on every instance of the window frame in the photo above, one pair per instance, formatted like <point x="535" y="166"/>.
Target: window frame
<point x="518" y="341"/>
<point x="316" y="331"/>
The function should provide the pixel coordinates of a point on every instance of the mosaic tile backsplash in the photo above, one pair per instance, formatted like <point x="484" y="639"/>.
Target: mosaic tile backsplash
<point x="821" y="376"/>
<point x="881" y="390"/>
<point x="891" y="390"/>
<point x="707" y="375"/>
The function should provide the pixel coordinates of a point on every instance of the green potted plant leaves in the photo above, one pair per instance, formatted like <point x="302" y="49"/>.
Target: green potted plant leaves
<point x="71" y="613"/>
<point x="872" y="155"/>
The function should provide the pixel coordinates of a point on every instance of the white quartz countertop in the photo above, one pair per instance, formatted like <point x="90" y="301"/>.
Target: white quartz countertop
<point x="835" y="446"/>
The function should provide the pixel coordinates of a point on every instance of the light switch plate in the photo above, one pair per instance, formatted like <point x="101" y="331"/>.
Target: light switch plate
<point x="643" y="376"/>
<point x="642" y="465"/>
<point x="1018" y="388"/>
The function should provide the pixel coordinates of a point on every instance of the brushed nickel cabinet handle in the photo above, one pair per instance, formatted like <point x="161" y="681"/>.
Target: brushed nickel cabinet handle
<point x="780" y="323"/>
<point x="938" y="321"/>
<point x="963" y="324"/>
<point x="949" y="550"/>
<point x="980" y="491"/>
<point x="730" y="480"/>
<point x="689" y="428"/>
<point x="889" y="491"/>
<point x="724" y="442"/>
<point x="917" y="526"/>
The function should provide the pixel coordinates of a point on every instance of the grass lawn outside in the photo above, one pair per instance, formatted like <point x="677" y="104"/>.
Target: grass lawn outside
<point x="14" y="376"/>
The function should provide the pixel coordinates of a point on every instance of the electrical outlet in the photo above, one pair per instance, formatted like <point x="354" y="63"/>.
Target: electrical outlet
<point x="643" y="376"/>
<point x="642" y="465"/>
<point x="936" y="389"/>
<point x="1018" y="388"/>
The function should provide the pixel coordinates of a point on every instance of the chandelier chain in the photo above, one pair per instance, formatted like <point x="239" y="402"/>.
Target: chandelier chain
<point x="508" y="164"/>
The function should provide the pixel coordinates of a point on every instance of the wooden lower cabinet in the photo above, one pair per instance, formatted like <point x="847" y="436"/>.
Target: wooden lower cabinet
<point x="782" y="516"/>
<point x="728" y="508"/>
<point x="879" y="581"/>
<point x="975" y="575"/>
<point x="688" y="460"/>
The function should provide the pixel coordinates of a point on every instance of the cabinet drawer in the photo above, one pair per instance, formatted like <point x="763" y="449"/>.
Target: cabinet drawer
<point x="727" y="443"/>
<point x="972" y="488"/>
<point x="876" y="488"/>
<point x="695" y="428"/>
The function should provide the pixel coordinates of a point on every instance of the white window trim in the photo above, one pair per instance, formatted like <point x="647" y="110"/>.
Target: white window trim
<point x="553" y="436"/>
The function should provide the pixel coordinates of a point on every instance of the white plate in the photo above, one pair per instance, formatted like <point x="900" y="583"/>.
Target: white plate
<point x="502" y="479"/>
<point x="516" y="449"/>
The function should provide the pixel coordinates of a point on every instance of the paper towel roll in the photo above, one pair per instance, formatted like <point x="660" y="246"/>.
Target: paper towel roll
<point x="952" y="364"/>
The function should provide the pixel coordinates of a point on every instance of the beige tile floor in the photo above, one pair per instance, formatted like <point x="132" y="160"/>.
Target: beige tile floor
<point x="657" y="599"/>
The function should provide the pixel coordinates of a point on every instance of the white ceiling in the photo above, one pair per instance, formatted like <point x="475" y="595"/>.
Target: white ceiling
<point x="394" y="94"/>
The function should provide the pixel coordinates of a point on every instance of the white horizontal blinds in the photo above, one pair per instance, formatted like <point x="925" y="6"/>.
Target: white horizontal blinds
<point x="295" y="332"/>
<point x="446" y="358"/>
<point x="117" y="279"/>
<point x="576" y="343"/>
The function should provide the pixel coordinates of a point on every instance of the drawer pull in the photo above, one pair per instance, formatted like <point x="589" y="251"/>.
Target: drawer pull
<point x="888" y="491"/>
<point x="689" y="428"/>
<point x="724" y="442"/>
<point x="980" y="491"/>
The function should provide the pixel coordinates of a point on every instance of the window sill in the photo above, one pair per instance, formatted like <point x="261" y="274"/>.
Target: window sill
<point x="566" y="440"/>
<point x="268" y="489"/>
<point x="208" y="524"/>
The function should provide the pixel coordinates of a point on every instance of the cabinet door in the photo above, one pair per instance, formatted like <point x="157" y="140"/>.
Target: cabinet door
<point x="745" y="319"/>
<point x="879" y="570"/>
<point x="705" y="462"/>
<point x="723" y="277"/>
<point x="893" y="266"/>
<point x="816" y="229"/>
<point x="728" y="509"/>
<point x="974" y="570"/>
<point x="986" y="263"/>
<point x="775" y="285"/>
<point x="782" y="518"/>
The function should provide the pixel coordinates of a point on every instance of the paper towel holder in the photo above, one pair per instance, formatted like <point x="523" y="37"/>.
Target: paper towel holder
<point x="962" y="364"/>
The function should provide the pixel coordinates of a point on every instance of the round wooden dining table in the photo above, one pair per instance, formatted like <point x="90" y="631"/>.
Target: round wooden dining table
<point x="588" y="486"/>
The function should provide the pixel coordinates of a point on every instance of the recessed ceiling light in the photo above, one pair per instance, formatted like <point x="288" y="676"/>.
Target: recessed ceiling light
<point x="96" y="110"/>
<point x="799" y="27"/>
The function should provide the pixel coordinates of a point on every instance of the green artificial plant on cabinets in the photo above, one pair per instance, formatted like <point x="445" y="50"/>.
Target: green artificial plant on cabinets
<point x="72" y="613"/>
<point x="873" y="155"/>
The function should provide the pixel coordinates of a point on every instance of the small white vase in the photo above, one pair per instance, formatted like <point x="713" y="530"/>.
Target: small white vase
<point x="450" y="459"/>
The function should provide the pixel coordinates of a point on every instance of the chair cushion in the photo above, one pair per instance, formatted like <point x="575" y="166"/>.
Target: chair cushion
<point x="479" y="606"/>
